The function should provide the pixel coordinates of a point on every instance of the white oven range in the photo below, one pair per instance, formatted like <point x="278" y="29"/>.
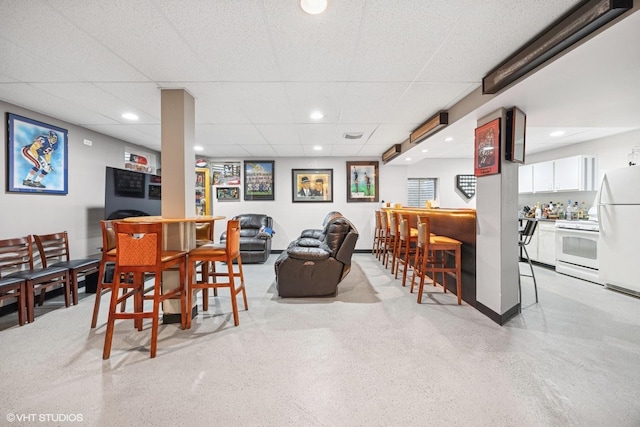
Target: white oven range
<point x="577" y="249"/>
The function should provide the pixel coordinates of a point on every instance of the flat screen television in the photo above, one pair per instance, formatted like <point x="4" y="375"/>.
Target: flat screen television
<point x="130" y="193"/>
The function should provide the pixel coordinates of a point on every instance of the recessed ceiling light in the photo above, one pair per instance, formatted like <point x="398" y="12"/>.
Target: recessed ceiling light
<point x="557" y="133"/>
<point x="408" y="158"/>
<point x="317" y="148"/>
<point x="425" y="150"/>
<point x="198" y="148"/>
<point x="316" y="115"/>
<point x="313" y="7"/>
<point x="130" y="116"/>
<point x="449" y="139"/>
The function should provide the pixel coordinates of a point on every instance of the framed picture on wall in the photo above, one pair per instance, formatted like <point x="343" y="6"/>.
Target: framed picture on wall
<point x="487" y="149"/>
<point x="37" y="159"/>
<point x="362" y="181"/>
<point x="258" y="180"/>
<point x="311" y="185"/>
<point x="228" y="193"/>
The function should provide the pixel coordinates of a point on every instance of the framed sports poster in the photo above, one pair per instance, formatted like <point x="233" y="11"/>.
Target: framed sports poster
<point x="362" y="181"/>
<point x="258" y="180"/>
<point x="487" y="149"/>
<point x="37" y="157"/>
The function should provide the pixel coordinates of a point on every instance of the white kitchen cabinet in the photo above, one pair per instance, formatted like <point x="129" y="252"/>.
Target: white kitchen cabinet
<point x="543" y="176"/>
<point x="546" y="243"/>
<point x="574" y="174"/>
<point x="525" y="179"/>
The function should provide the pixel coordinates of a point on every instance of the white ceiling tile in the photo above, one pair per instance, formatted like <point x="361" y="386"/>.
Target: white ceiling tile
<point x="309" y="97"/>
<point x="370" y="102"/>
<point x="279" y="134"/>
<point x="288" y="150"/>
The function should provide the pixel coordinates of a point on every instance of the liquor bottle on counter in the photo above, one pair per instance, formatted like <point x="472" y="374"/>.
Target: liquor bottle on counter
<point x="581" y="211"/>
<point x="561" y="211"/>
<point x="574" y="211"/>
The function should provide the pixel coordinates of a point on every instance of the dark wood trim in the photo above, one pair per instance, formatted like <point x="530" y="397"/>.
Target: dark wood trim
<point x="500" y="319"/>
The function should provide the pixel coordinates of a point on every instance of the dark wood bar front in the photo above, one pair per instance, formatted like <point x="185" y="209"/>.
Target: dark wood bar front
<point x="459" y="224"/>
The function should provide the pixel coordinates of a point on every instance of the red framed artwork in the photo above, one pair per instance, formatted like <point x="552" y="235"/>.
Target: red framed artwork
<point x="487" y="149"/>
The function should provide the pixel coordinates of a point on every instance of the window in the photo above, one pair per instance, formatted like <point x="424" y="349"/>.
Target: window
<point x="419" y="190"/>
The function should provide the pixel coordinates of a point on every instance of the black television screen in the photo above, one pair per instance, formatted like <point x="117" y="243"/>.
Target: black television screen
<point x="130" y="193"/>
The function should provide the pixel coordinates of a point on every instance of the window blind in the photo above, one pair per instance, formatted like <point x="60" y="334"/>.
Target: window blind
<point x="419" y="190"/>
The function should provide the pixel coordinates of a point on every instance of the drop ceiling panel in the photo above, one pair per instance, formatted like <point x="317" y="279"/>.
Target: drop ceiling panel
<point x="35" y="99"/>
<point x="140" y="34"/>
<point x="237" y="47"/>
<point x="319" y="134"/>
<point x="370" y="102"/>
<point x="314" y="47"/>
<point x="228" y="134"/>
<point x="279" y="134"/>
<point x="91" y="97"/>
<point x="124" y="133"/>
<point x="141" y="97"/>
<point x="288" y="150"/>
<point x="45" y="33"/>
<point x="400" y="35"/>
<point x="423" y="100"/>
<point x="260" y="150"/>
<point x="373" y="150"/>
<point x="226" y="150"/>
<point x="21" y="68"/>
<point x="316" y="96"/>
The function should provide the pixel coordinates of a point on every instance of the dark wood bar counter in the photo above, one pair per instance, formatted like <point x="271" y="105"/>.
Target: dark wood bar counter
<point x="459" y="224"/>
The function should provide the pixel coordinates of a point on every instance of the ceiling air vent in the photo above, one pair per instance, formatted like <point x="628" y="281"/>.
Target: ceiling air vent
<point x="352" y="135"/>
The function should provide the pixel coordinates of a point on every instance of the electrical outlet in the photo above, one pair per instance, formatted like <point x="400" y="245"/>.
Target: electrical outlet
<point x="88" y="142"/>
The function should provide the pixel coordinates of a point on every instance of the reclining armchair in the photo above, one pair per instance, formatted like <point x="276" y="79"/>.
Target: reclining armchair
<point x="316" y="233"/>
<point x="254" y="248"/>
<point x="314" y="267"/>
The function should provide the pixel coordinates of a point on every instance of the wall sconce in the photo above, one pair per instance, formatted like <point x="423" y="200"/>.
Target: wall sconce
<point x="578" y="23"/>
<point x="428" y="128"/>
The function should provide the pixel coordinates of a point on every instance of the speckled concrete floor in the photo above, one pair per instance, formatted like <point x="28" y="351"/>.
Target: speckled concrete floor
<point x="370" y="356"/>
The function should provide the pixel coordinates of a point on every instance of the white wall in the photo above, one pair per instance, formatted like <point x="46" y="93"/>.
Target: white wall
<point x="445" y="170"/>
<point x="78" y="212"/>
<point x="289" y="218"/>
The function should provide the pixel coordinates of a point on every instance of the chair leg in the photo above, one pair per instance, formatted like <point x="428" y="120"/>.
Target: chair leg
<point x="157" y="300"/>
<point x="73" y="279"/>
<point x="533" y="275"/>
<point x="234" y="303"/>
<point x="108" y="337"/>
<point x="242" y="287"/>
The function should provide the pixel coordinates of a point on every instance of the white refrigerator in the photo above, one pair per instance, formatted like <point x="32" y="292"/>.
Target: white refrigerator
<point x="618" y="203"/>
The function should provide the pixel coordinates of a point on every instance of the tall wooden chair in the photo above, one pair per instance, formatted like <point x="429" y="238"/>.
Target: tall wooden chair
<point x="108" y="258"/>
<point x="377" y="234"/>
<point x="407" y="246"/>
<point x="212" y="253"/>
<point x="17" y="255"/>
<point x="433" y="255"/>
<point x="54" y="252"/>
<point x="139" y="251"/>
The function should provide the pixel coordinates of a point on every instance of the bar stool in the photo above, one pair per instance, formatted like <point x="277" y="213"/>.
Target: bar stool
<point x="139" y="251"/>
<point x="212" y="253"/>
<point x="394" y="239"/>
<point x="408" y="244"/>
<point x="525" y="238"/>
<point x="384" y="244"/>
<point x="108" y="257"/>
<point x="432" y="255"/>
<point x="377" y="234"/>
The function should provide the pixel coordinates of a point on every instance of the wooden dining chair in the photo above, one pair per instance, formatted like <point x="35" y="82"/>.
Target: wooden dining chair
<point x="54" y="252"/>
<point x="408" y="238"/>
<point x="16" y="258"/>
<point x="11" y="288"/>
<point x="212" y="253"/>
<point x="139" y="251"/>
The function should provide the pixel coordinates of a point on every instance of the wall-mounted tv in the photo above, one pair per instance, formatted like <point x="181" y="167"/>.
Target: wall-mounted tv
<point x="130" y="193"/>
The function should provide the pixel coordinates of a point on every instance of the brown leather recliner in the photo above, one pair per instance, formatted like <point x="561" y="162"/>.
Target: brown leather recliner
<point x="314" y="267"/>
<point x="254" y="248"/>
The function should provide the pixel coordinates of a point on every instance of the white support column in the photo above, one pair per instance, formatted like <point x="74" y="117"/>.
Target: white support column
<point x="497" y="235"/>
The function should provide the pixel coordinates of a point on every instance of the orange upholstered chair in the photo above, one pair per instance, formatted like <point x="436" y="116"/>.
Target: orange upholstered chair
<point x="139" y="251"/>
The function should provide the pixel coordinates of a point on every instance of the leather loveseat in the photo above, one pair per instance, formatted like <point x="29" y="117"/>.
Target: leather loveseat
<point x="313" y="267"/>
<point x="253" y="248"/>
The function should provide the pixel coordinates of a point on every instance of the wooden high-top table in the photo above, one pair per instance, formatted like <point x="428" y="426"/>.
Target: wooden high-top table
<point x="179" y="234"/>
